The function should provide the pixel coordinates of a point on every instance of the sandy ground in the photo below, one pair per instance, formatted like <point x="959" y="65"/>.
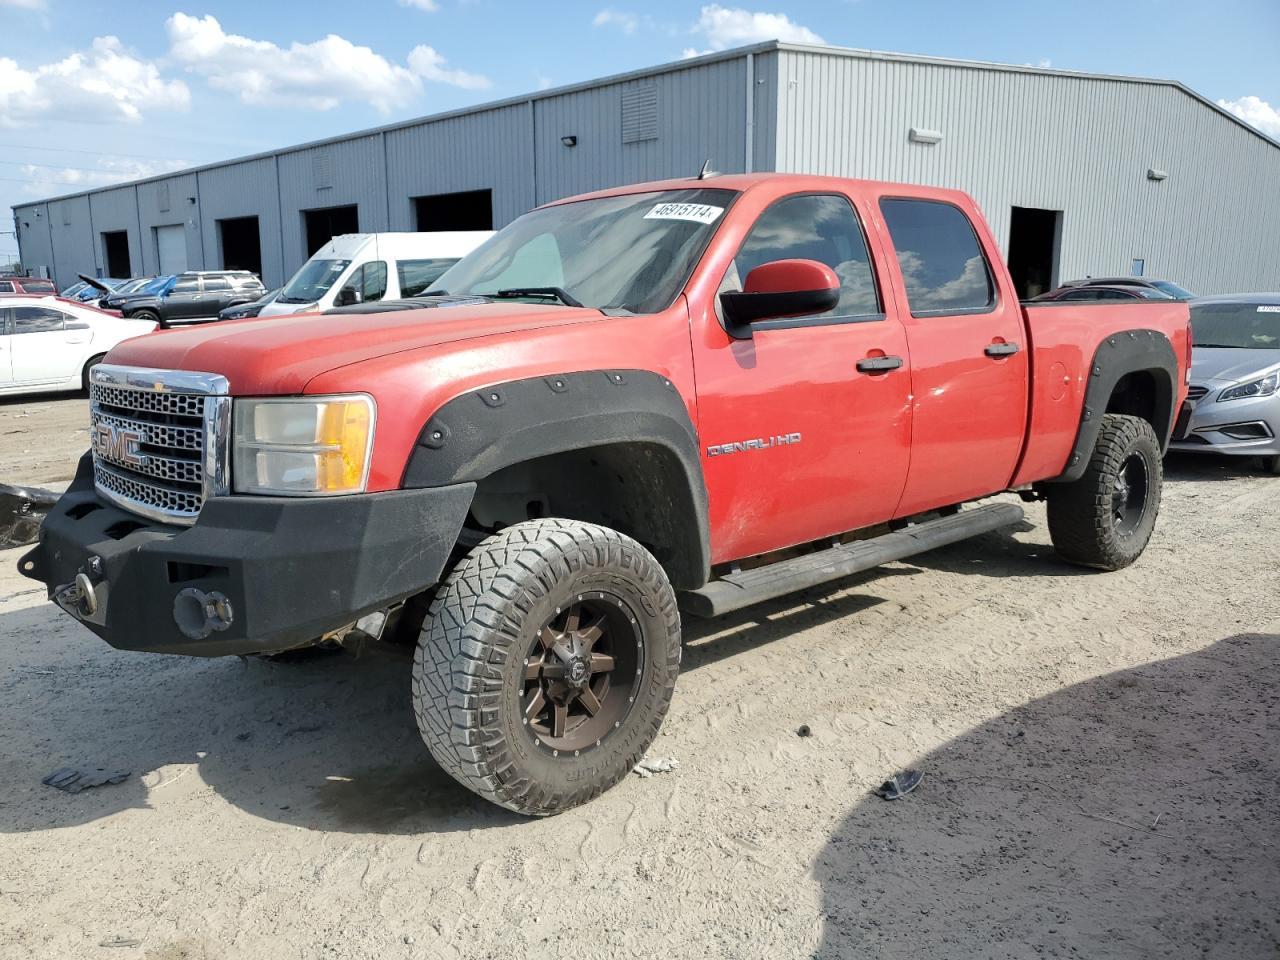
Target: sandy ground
<point x="1102" y="758"/>
<point x="41" y="438"/>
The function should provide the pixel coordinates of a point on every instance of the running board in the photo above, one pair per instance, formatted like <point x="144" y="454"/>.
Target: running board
<point x="746" y="587"/>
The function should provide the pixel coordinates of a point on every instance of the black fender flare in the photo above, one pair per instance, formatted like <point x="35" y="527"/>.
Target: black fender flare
<point x="478" y="433"/>
<point x="1120" y="354"/>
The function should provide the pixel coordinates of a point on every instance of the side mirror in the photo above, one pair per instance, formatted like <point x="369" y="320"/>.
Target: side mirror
<point x="346" y="297"/>
<point x="783" y="288"/>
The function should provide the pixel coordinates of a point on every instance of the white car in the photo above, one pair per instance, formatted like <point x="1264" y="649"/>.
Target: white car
<point x="366" y="267"/>
<point x="49" y="343"/>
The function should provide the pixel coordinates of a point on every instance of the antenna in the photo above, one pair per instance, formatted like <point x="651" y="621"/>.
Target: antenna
<point x="706" y="172"/>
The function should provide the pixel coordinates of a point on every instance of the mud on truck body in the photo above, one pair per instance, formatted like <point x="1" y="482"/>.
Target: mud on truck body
<point x="686" y="395"/>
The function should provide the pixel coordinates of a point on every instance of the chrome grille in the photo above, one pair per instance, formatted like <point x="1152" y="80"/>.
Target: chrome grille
<point x="1196" y="392"/>
<point x="159" y="439"/>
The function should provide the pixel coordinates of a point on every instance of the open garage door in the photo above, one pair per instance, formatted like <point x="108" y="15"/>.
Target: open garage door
<point x="171" y="248"/>
<point x="241" y="244"/>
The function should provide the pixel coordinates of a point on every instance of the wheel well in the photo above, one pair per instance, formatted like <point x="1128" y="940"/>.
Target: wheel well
<point x="1143" y="394"/>
<point x="638" y="489"/>
<point x="84" y="373"/>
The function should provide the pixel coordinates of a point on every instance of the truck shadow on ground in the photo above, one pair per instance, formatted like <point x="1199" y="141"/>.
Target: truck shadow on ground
<point x="1134" y="814"/>
<point x="325" y="743"/>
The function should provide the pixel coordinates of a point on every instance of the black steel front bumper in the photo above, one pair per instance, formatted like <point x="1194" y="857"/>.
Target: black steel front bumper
<point x="253" y="575"/>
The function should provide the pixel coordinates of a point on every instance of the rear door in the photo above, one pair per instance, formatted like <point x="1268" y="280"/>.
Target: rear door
<point x="968" y="354"/>
<point x="798" y="442"/>
<point x="43" y="349"/>
<point x="216" y="293"/>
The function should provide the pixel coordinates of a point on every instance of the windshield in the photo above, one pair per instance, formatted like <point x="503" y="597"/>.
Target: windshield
<point x="312" y="281"/>
<point x="1173" y="290"/>
<point x="1240" y="326"/>
<point x="156" y="285"/>
<point x="630" y="254"/>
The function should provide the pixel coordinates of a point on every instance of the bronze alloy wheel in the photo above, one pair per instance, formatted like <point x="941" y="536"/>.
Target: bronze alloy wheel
<point x="581" y="673"/>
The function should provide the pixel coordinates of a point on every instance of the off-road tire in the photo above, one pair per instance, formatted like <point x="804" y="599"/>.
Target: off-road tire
<point x="1082" y="520"/>
<point x="469" y="670"/>
<point x="84" y="376"/>
<point x="148" y="315"/>
<point x="1271" y="465"/>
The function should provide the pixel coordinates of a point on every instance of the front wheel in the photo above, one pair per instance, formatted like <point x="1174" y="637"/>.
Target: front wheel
<point x="1106" y="518"/>
<point x="546" y="664"/>
<point x="148" y="315"/>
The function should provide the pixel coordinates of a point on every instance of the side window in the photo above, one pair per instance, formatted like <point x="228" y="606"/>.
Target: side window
<point x="216" y="285"/>
<point x="942" y="263"/>
<point x="1081" y="295"/>
<point x="186" y="286"/>
<point x="6" y="286"/>
<point x="417" y="275"/>
<point x="36" y="320"/>
<point x="813" y="227"/>
<point x="374" y="285"/>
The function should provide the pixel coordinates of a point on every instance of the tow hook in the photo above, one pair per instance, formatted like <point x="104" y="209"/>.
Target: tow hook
<point x="79" y="597"/>
<point x="199" y="614"/>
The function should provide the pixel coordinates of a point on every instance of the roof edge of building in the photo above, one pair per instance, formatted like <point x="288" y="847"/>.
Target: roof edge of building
<point x="767" y="46"/>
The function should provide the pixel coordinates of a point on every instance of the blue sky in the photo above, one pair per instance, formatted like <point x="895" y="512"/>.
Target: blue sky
<point x="89" y="97"/>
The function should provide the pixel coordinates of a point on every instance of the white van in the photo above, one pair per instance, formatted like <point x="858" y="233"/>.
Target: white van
<point x="361" y="267"/>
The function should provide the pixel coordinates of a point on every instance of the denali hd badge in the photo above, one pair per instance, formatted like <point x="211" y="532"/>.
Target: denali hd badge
<point x="763" y="443"/>
<point x="118" y="443"/>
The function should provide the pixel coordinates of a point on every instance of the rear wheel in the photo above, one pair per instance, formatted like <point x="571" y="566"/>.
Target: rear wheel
<point x="1106" y="518"/>
<point x="546" y="664"/>
<point x="84" y="376"/>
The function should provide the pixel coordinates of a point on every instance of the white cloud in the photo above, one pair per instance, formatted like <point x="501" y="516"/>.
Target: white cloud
<point x="430" y="6"/>
<point x="426" y="63"/>
<point x="1256" y="112"/>
<point x="114" y="170"/>
<point x="318" y="75"/>
<point x="626" y="22"/>
<point x="726" y="27"/>
<point x="23" y="4"/>
<point x="105" y="83"/>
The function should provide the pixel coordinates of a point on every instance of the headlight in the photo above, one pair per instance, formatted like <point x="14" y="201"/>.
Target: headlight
<point x="302" y="446"/>
<point x="1254" y="388"/>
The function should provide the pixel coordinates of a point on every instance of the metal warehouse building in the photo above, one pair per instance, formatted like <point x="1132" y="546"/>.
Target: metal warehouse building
<point x="1079" y="174"/>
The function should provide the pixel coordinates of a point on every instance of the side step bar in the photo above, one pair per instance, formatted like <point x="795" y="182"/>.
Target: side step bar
<point x="746" y="587"/>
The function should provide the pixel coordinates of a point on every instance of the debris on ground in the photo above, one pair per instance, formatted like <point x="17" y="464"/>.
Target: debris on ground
<point x="900" y="784"/>
<point x="121" y="942"/>
<point x="71" y="780"/>
<point x="804" y="731"/>
<point x="648" y="766"/>
<point x="22" y="510"/>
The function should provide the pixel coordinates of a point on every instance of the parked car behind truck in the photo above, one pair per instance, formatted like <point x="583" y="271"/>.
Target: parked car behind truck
<point x="1234" y="398"/>
<point x="688" y="394"/>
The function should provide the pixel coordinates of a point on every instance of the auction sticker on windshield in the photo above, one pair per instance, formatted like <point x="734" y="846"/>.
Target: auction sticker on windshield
<point x="697" y="212"/>
<point x="1269" y="309"/>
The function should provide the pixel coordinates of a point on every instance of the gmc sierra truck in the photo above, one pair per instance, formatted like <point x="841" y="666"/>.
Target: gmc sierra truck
<point x="687" y="396"/>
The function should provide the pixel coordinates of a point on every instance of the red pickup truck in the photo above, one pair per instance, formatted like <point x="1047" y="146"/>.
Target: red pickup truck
<point x="688" y="395"/>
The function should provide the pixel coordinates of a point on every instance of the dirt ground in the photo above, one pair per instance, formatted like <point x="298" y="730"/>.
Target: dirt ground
<point x="1101" y="757"/>
<point x="41" y="438"/>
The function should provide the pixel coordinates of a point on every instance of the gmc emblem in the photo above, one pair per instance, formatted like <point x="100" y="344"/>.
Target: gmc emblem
<point x="118" y="443"/>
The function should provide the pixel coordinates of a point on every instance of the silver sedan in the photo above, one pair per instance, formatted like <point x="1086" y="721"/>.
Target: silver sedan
<point x="1235" y="379"/>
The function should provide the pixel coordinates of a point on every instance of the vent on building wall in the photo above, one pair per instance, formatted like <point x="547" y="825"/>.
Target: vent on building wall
<point x="162" y="196"/>
<point x="640" y="113"/>
<point x="321" y="171"/>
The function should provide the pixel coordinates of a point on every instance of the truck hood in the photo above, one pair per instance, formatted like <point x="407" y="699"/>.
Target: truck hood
<point x="1223" y="363"/>
<point x="280" y="355"/>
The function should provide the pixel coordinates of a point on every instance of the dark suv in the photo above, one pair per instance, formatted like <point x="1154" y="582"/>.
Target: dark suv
<point x="195" y="295"/>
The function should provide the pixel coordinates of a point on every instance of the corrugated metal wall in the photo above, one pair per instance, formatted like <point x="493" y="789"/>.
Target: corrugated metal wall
<point x="491" y="150"/>
<point x="246" y="189"/>
<point x="168" y="202"/>
<point x="110" y="210"/>
<point x="1081" y="145"/>
<point x="701" y="114"/>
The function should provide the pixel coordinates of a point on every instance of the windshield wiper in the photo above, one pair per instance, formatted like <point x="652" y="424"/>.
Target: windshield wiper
<point x="1220" y="346"/>
<point x="560" y="293"/>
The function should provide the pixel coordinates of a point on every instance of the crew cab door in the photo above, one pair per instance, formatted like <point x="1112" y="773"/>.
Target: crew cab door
<point x="798" y="443"/>
<point x="968" y="347"/>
